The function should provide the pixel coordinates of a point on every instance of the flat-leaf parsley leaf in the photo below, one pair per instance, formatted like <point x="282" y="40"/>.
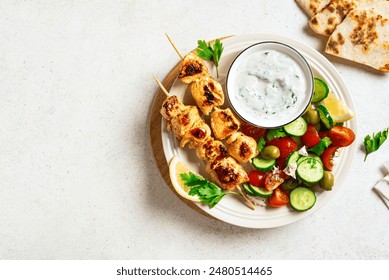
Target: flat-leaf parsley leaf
<point x="372" y="143"/>
<point x="208" y="192"/>
<point x="208" y="52"/>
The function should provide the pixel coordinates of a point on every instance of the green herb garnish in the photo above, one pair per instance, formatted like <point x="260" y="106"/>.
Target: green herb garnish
<point x="275" y="133"/>
<point x="319" y="148"/>
<point x="208" y="192"/>
<point x="261" y="144"/>
<point x="208" y="52"/>
<point x="372" y="143"/>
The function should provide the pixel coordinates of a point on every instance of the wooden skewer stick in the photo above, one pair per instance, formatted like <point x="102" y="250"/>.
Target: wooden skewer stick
<point x="249" y="202"/>
<point x="162" y="87"/>
<point x="175" y="47"/>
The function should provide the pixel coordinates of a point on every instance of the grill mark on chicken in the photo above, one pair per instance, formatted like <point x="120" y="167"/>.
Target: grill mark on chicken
<point x="226" y="174"/>
<point x="170" y="105"/>
<point x="185" y="119"/>
<point x="244" y="150"/>
<point x="208" y="92"/>
<point x="191" y="69"/>
<point x="198" y="133"/>
<point x="227" y="118"/>
<point x="222" y="153"/>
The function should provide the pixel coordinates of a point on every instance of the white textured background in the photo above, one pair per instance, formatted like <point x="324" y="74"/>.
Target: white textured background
<point x="77" y="175"/>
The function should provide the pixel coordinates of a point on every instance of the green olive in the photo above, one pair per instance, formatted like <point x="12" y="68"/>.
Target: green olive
<point x="327" y="182"/>
<point x="290" y="184"/>
<point x="312" y="117"/>
<point x="270" y="152"/>
<point x="297" y="139"/>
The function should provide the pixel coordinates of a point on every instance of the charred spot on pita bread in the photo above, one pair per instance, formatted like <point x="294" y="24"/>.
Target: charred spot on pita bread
<point x="312" y="8"/>
<point x="341" y="40"/>
<point x="331" y="20"/>
<point x="385" y="68"/>
<point x="365" y="33"/>
<point x="341" y="11"/>
<point x="328" y="31"/>
<point x="314" y="21"/>
<point x="333" y="46"/>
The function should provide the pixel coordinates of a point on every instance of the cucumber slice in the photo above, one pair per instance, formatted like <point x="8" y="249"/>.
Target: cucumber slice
<point x="292" y="158"/>
<point x="302" y="199"/>
<point x="320" y="91"/>
<point x="310" y="155"/>
<point x="296" y="128"/>
<point x="247" y="189"/>
<point x="325" y="117"/>
<point x="310" y="170"/>
<point x="262" y="192"/>
<point x="263" y="164"/>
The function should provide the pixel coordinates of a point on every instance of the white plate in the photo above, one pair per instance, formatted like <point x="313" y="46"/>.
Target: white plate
<point x="231" y="209"/>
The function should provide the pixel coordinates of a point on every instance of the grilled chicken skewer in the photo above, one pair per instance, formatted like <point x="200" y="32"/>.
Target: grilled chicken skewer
<point x="206" y="91"/>
<point x="192" y="68"/>
<point x="209" y="96"/>
<point x="184" y="121"/>
<point x="223" y="169"/>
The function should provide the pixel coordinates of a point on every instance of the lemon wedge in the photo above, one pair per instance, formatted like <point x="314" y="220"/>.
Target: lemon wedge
<point x="337" y="109"/>
<point x="177" y="167"/>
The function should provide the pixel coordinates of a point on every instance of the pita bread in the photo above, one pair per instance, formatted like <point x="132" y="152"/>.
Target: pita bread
<point x="325" y="21"/>
<point x="363" y="36"/>
<point x="311" y="7"/>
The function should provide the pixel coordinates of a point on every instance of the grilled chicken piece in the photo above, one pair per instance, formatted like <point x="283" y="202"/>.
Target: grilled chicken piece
<point x="211" y="149"/>
<point x="242" y="147"/>
<point x="196" y="134"/>
<point x="224" y="123"/>
<point x="171" y="107"/>
<point x="182" y="123"/>
<point x="227" y="173"/>
<point x="207" y="93"/>
<point x="193" y="68"/>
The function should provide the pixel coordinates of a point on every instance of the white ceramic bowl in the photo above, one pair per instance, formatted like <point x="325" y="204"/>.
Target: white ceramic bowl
<point x="269" y="100"/>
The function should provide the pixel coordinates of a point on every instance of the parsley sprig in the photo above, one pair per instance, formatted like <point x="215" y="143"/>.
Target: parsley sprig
<point x="275" y="133"/>
<point x="208" y="52"/>
<point x="372" y="143"/>
<point x="208" y="192"/>
<point x="261" y="144"/>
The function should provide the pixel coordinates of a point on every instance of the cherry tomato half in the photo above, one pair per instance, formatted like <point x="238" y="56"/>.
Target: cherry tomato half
<point x="341" y="136"/>
<point x="252" y="131"/>
<point x="323" y="134"/>
<point x="274" y="179"/>
<point x="286" y="145"/>
<point x="327" y="157"/>
<point x="311" y="138"/>
<point x="257" y="178"/>
<point x="279" y="198"/>
<point x="281" y="162"/>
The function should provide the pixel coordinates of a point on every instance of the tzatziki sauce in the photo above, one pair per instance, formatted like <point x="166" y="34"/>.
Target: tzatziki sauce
<point x="270" y="88"/>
